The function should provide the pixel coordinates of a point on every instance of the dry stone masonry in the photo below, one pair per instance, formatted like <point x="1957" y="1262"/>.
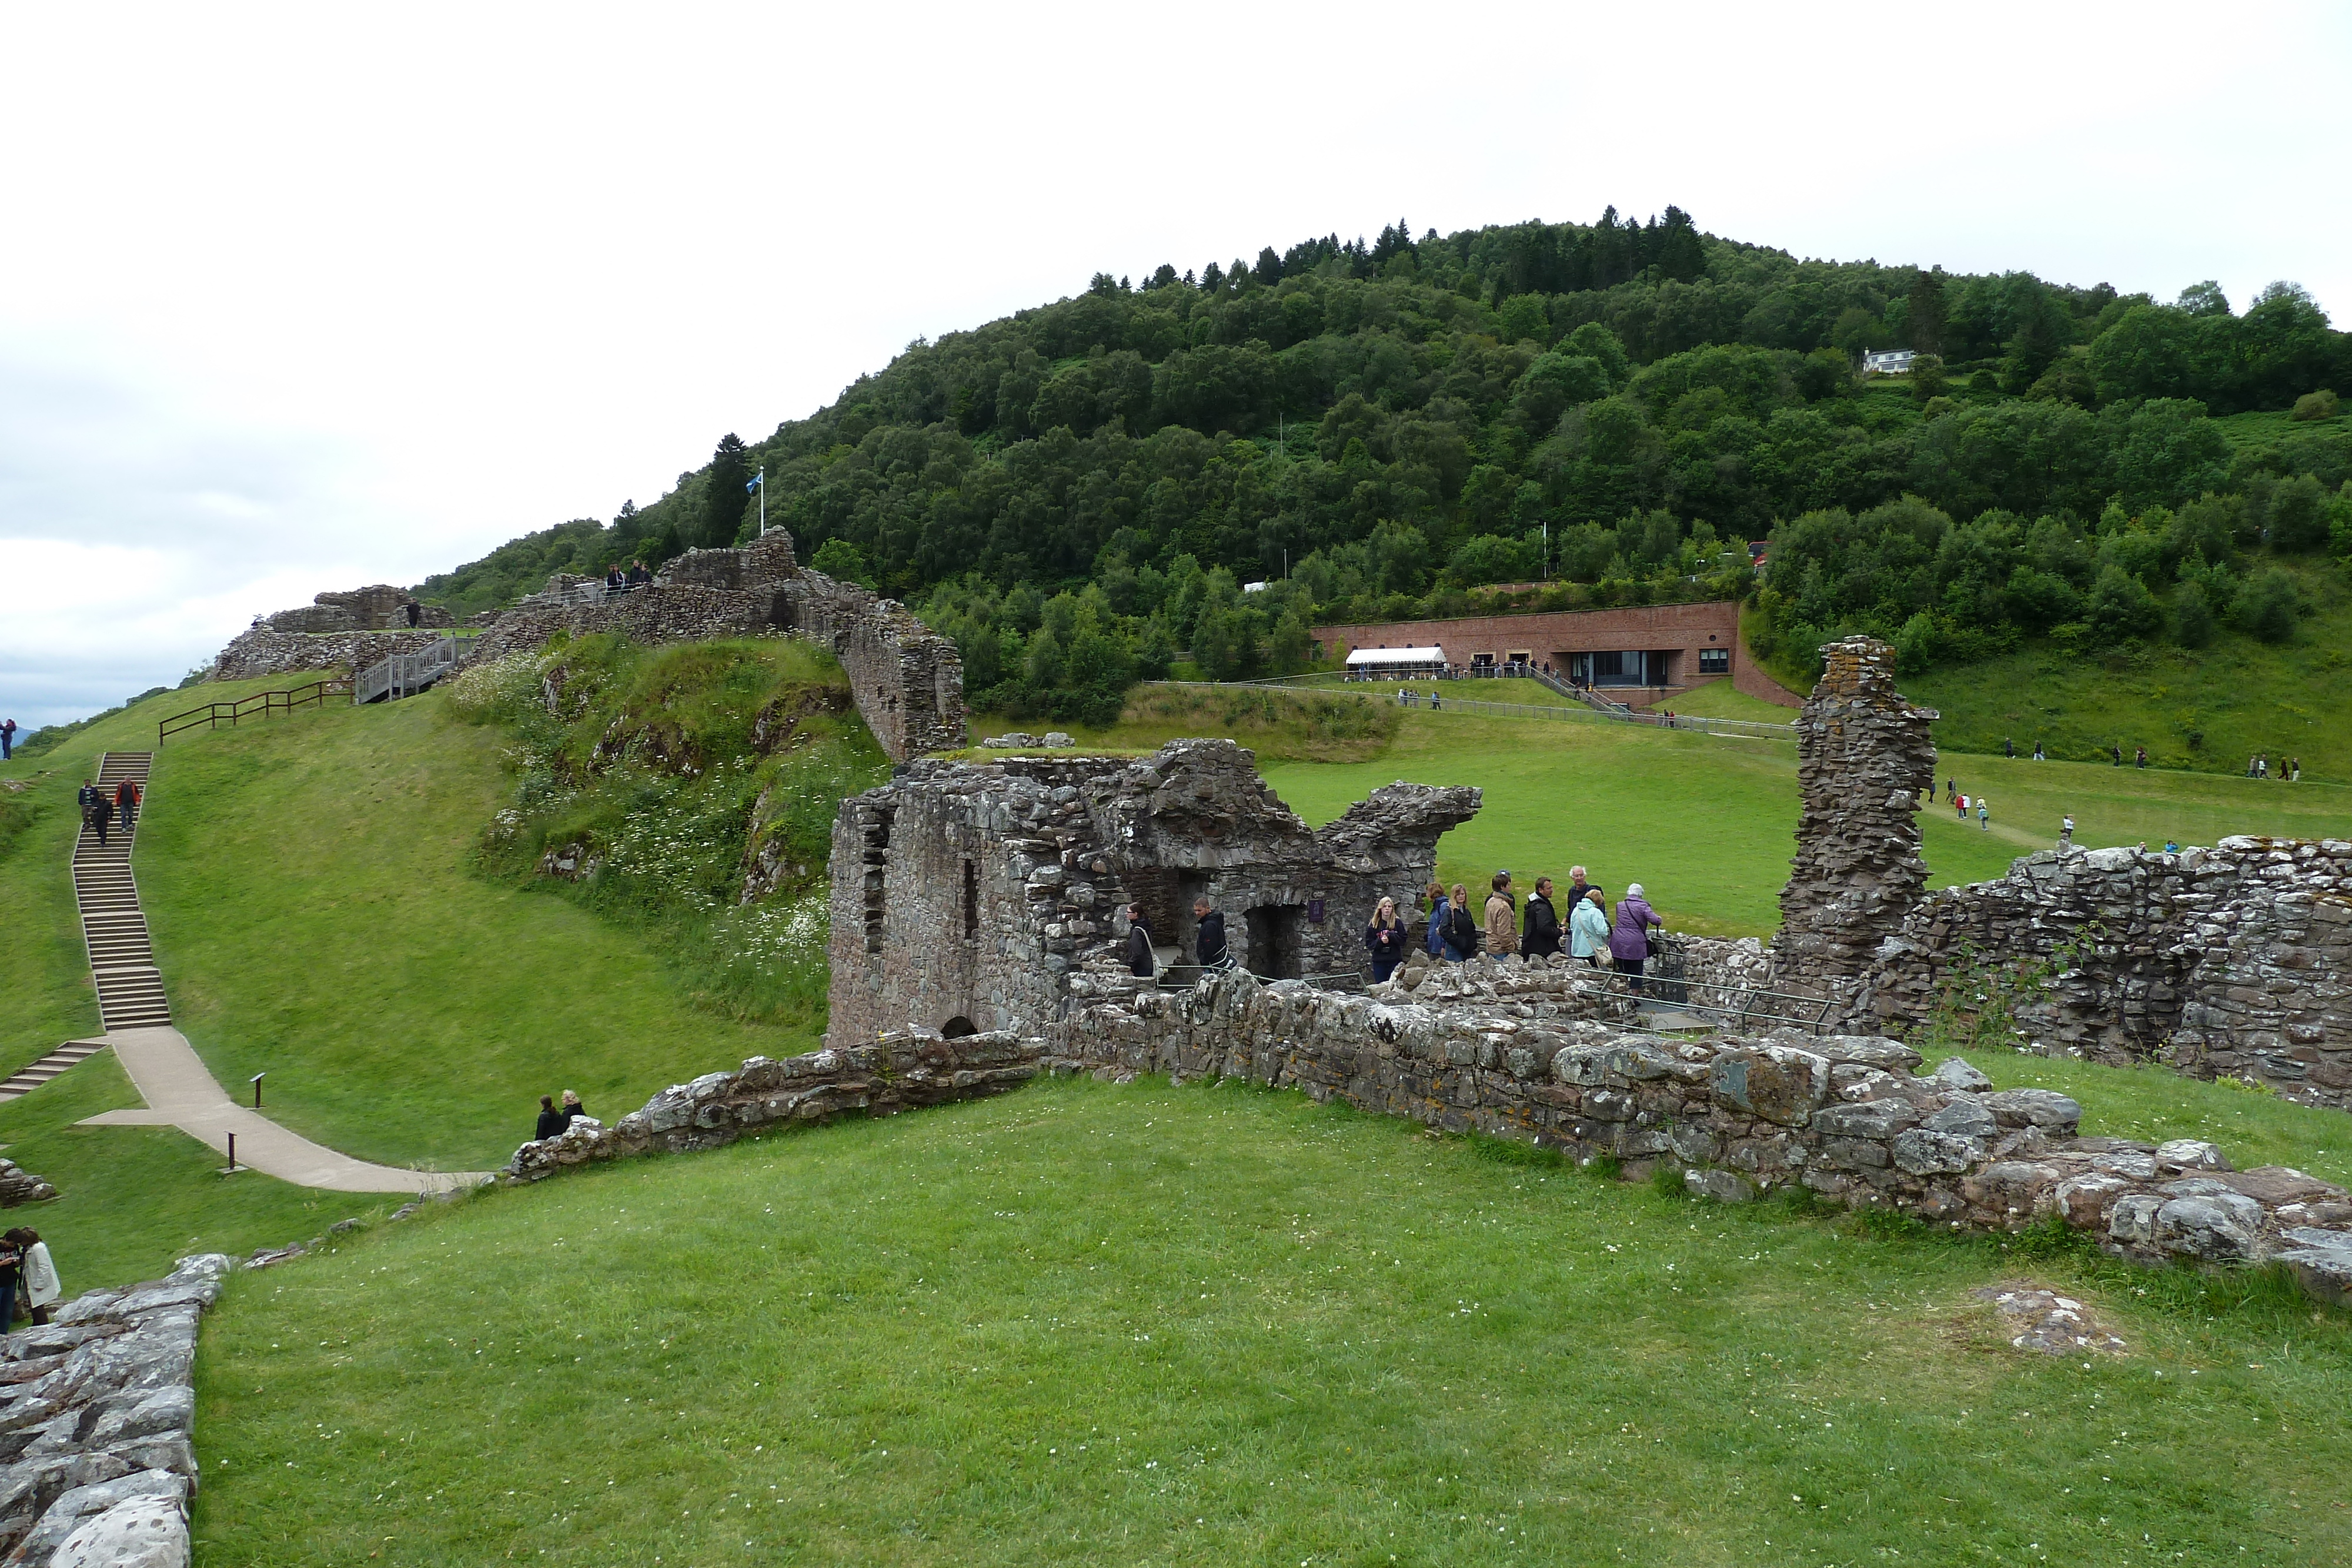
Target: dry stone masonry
<point x="907" y="680"/>
<point x="1863" y="754"/>
<point x="96" y="1412"/>
<point x="985" y="896"/>
<point x="1847" y="1116"/>
<point x="876" y="1080"/>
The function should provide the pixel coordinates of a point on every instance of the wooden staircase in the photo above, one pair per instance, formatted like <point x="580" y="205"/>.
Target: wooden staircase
<point x="121" y="957"/>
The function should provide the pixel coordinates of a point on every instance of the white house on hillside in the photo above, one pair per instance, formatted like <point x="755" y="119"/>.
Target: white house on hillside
<point x="1887" y="362"/>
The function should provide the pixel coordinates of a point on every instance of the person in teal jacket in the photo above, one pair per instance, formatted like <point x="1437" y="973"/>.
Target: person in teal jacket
<point x="1588" y="925"/>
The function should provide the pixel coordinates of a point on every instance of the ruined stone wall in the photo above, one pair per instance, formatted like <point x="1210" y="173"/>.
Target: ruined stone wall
<point x="909" y="680"/>
<point x="379" y="607"/>
<point x="263" y="651"/>
<point x="992" y="893"/>
<point x="1863" y="754"/>
<point x="2234" y="961"/>
<point x="1846" y="1117"/>
<point x="875" y="1080"/>
<point x="657" y="614"/>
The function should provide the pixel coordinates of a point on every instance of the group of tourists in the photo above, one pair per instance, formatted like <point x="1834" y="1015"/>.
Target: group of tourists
<point x="100" y="808"/>
<point x="1587" y="932"/>
<point x="555" y="1119"/>
<point x="619" y="580"/>
<point x="1962" y="805"/>
<point x="29" y="1280"/>
<point x="2290" y="769"/>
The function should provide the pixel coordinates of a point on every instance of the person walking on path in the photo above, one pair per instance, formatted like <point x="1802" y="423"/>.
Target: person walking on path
<point x="8" y="738"/>
<point x="552" y="1121"/>
<point x="1434" y="936"/>
<point x="1588" y="928"/>
<point x="415" y="611"/>
<point x="2294" y="769"/>
<point x="1629" y="943"/>
<point x="2119" y="753"/>
<point x="126" y="803"/>
<point x="1461" y="927"/>
<point x="1140" y="960"/>
<point x="2039" y="756"/>
<point x="38" y="1288"/>
<point x="1961" y="804"/>
<point x="2009" y="747"/>
<point x="2066" y="835"/>
<point x="1208" y="941"/>
<point x="1539" y="934"/>
<point x="1984" y="815"/>
<point x="1385" y="939"/>
<point x="2139" y="757"/>
<point x="97" y="810"/>
<point x="1502" y="918"/>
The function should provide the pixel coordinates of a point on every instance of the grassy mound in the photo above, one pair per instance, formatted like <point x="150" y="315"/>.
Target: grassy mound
<point x="1279" y="725"/>
<point x="1215" y="1325"/>
<point x="324" y="911"/>
<point x="1721" y="699"/>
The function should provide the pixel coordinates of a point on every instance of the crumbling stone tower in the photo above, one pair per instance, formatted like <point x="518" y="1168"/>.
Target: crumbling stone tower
<point x="1864" y="756"/>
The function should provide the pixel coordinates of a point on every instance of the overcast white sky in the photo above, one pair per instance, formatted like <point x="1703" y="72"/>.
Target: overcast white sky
<point x="297" y="297"/>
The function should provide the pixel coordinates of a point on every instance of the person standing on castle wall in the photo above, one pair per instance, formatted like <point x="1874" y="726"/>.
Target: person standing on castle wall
<point x="1139" y="961"/>
<point x="1588" y="926"/>
<point x="1209" y="943"/>
<point x="1385" y="939"/>
<point x="415" y="611"/>
<point x="1502" y="918"/>
<point x="1540" y="935"/>
<point x="638" y="575"/>
<point x="1629" y="943"/>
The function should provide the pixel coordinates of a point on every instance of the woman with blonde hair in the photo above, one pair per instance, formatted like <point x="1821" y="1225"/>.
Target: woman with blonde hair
<point x="1461" y="932"/>
<point x="1385" y="937"/>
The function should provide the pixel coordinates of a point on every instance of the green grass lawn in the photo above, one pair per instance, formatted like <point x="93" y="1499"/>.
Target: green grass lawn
<point x="1217" y="1325"/>
<point x="1721" y="699"/>
<point x="316" y="917"/>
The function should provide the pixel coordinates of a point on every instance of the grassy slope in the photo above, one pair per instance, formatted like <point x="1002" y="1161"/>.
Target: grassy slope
<point x="1721" y="699"/>
<point x="1707" y="824"/>
<point x="44" y="971"/>
<point x="2240" y="696"/>
<point x="131" y="1199"/>
<point x="1085" y="1324"/>
<point x="315" y="918"/>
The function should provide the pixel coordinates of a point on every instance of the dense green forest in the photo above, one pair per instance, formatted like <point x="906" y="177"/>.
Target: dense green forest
<point x="1584" y="415"/>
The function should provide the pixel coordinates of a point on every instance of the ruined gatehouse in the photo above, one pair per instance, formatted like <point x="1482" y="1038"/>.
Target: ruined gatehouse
<point x="992" y="896"/>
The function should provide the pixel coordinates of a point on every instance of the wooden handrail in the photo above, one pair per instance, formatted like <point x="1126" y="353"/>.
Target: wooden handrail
<point x="212" y="716"/>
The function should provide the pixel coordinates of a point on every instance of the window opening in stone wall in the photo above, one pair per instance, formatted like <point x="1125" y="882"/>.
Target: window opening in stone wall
<point x="1277" y="940"/>
<point x="876" y="855"/>
<point x="957" y="1028"/>
<point x="1715" y="660"/>
<point x="970" y="904"/>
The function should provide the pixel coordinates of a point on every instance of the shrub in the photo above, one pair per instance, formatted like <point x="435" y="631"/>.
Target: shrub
<point x="2320" y="404"/>
<point x="2299" y="514"/>
<point x="2269" y="605"/>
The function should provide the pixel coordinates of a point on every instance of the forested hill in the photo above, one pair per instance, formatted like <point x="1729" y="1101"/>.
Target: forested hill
<point x="1077" y="490"/>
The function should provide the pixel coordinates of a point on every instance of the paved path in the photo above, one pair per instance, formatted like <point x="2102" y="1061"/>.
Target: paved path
<point x="180" y="1092"/>
<point x="171" y="1077"/>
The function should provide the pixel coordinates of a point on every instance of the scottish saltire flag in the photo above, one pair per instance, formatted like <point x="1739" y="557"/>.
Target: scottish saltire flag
<point x="756" y="482"/>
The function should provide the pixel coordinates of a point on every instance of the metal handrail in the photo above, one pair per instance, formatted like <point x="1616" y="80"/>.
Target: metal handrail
<point x="212" y="716"/>
<point x="404" y="675"/>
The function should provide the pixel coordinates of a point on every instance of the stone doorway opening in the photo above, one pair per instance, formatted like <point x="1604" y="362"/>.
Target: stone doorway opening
<point x="1277" y="940"/>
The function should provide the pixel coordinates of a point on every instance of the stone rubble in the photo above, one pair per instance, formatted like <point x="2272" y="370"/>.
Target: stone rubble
<point x="97" y="1416"/>
<point x="2038" y="1319"/>
<point x="20" y="1186"/>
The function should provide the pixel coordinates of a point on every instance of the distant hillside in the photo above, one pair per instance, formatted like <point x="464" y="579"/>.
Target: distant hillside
<point x="1078" y="490"/>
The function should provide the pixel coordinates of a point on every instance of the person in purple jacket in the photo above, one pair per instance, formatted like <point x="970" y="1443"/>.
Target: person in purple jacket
<point x="1629" y="944"/>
